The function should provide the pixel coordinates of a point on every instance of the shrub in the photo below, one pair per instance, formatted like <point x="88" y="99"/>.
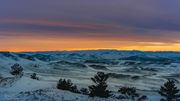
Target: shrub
<point x="100" y="87"/>
<point x="1" y="77"/>
<point x="169" y="91"/>
<point x="142" y="98"/>
<point x="74" y="89"/>
<point x="84" y="91"/>
<point x="64" y="84"/>
<point x="16" y="69"/>
<point x="128" y="92"/>
<point x="34" y="76"/>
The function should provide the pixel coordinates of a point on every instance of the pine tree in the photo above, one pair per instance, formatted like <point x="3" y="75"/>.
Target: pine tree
<point x="169" y="91"/>
<point x="100" y="89"/>
<point x="16" y="69"/>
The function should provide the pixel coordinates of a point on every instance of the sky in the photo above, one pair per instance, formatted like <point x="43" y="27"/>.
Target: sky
<point x="53" y="25"/>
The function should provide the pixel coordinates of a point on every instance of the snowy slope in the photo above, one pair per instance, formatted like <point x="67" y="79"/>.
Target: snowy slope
<point x="144" y="70"/>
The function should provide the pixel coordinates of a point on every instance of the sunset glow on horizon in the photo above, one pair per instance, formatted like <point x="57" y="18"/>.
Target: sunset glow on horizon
<point x="89" y="25"/>
<point x="70" y="44"/>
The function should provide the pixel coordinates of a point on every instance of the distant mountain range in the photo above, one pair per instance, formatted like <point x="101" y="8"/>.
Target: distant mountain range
<point x="92" y="55"/>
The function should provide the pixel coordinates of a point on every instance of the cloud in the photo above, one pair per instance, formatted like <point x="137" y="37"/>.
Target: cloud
<point x="142" y="21"/>
<point x="48" y="28"/>
<point x="153" y="14"/>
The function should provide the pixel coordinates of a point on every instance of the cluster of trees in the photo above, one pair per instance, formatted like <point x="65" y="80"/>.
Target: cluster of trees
<point x="17" y="70"/>
<point x="168" y="91"/>
<point x="67" y="85"/>
<point x="99" y="89"/>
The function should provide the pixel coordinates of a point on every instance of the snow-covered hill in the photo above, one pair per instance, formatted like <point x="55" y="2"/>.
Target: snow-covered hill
<point x="144" y="70"/>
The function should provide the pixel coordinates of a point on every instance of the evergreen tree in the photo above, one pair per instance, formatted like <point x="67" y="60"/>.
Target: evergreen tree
<point x="16" y="69"/>
<point x="100" y="89"/>
<point x="169" y="91"/>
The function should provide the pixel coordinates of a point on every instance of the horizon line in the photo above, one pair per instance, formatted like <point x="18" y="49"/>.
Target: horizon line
<point x="89" y="50"/>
